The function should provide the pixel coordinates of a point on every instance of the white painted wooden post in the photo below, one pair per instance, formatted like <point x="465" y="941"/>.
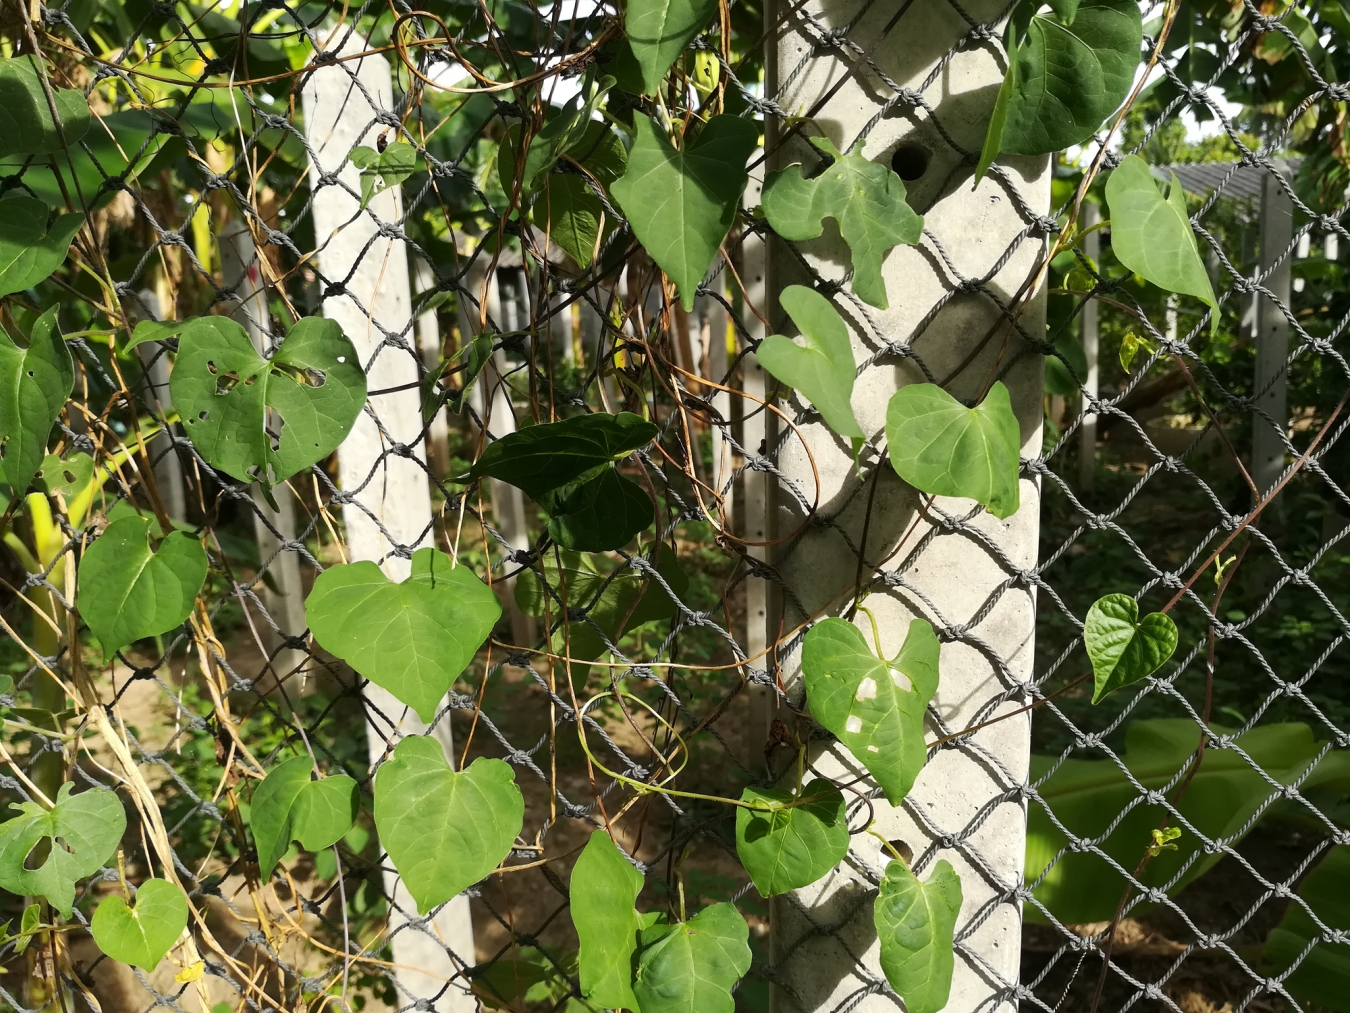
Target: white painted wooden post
<point x="1087" y="433"/>
<point x="284" y="599"/>
<point x="394" y="489"/>
<point x="168" y="467"/>
<point x="1272" y="332"/>
<point x="960" y="574"/>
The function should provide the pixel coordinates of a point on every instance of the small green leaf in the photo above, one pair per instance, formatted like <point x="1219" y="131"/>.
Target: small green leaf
<point x="444" y="831"/>
<point x="30" y="250"/>
<point x="866" y="198"/>
<point x="822" y="367"/>
<point x="153" y="330"/>
<point x="1152" y="235"/>
<point x="691" y="967"/>
<point x="1130" y="346"/>
<point x="26" y="124"/>
<point x="874" y="707"/>
<point x="381" y="170"/>
<point x="34" y="384"/>
<point x="1124" y="649"/>
<point x="232" y="399"/>
<point x="89" y="826"/>
<point x="575" y="213"/>
<point x="681" y="203"/>
<point x="552" y="455"/>
<point x="141" y="935"/>
<point x="412" y="638"/>
<point x="604" y="888"/>
<point x="128" y="590"/>
<point x="943" y="448"/>
<point x="659" y="30"/>
<point x="916" y="925"/>
<point x="288" y="806"/>
<point x="791" y="846"/>
<point x="67" y="476"/>
<point x="1067" y="81"/>
<point x="28" y="926"/>
<point x="601" y="514"/>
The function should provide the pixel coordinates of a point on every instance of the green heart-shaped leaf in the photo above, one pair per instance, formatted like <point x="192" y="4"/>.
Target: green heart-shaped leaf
<point x="382" y="169"/>
<point x="232" y="399"/>
<point x="539" y="459"/>
<point x="26" y="125"/>
<point x="866" y="198"/>
<point x="1152" y="235"/>
<point x="141" y="935"/>
<point x="681" y="203"/>
<point x="604" y="888"/>
<point x="444" y="831"/>
<point x="916" y="925"/>
<point x="412" y="638"/>
<point x="34" y="384"/>
<point x="30" y="250"/>
<point x="941" y="447"/>
<point x="822" y="367"/>
<point x="89" y="826"/>
<point x="791" y="846"/>
<point x="605" y="513"/>
<point x="1124" y="649"/>
<point x="874" y="707"/>
<point x="658" y="31"/>
<point x="129" y="591"/>
<point x="691" y="967"/>
<point x="288" y="806"/>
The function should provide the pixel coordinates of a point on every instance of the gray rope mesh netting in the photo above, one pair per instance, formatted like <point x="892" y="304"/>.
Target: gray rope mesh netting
<point x="1261" y="656"/>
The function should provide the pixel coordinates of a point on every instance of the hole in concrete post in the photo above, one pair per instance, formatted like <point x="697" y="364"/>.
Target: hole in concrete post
<point x="910" y="161"/>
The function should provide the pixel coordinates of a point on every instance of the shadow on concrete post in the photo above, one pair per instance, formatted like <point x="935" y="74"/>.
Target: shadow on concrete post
<point x="347" y="104"/>
<point x="957" y="567"/>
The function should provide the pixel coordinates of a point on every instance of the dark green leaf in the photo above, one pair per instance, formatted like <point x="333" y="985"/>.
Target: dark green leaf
<point x="604" y="513"/>
<point x="681" y="203"/>
<point x="89" y="824"/>
<point x="791" y="846"/>
<point x="30" y="250"/>
<point x="604" y="888"/>
<point x="943" y="448"/>
<point x="1321" y="976"/>
<point x="444" y="831"/>
<point x="1123" y="649"/>
<point x="874" y="707"/>
<point x="822" y="367"/>
<point x="658" y="31"/>
<point x="141" y="935"/>
<point x="998" y="120"/>
<point x="690" y="967"/>
<point x="288" y="806"/>
<point x="563" y="131"/>
<point x="412" y="638"/>
<point x="129" y="590"/>
<point x="26" y="124"/>
<point x="231" y="398"/>
<point x="866" y="198"/>
<point x="916" y="924"/>
<point x="539" y="459"/>
<point x="34" y="384"/>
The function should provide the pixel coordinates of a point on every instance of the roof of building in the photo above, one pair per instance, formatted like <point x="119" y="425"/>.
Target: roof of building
<point x="1232" y="179"/>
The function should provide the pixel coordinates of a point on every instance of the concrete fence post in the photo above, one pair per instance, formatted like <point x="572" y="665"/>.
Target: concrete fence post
<point x="960" y="568"/>
<point x="1271" y="384"/>
<point x="168" y="467"/>
<point x="345" y="105"/>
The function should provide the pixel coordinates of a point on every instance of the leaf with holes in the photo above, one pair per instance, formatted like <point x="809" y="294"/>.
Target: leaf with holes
<point x="141" y="935"/>
<point x="866" y="198"/>
<point x="604" y="888"/>
<point x="553" y="455"/>
<point x="26" y="124"/>
<point x="658" y="31"/>
<point x="681" y="203"/>
<point x="822" y="366"/>
<point x="1152" y="235"/>
<point x="1122" y="647"/>
<point x="263" y="420"/>
<point x="873" y="706"/>
<point x="128" y="590"/>
<point x="603" y="513"/>
<point x="412" y="638"/>
<point x="691" y="967"/>
<point x="795" y="839"/>
<point x="943" y="448"/>
<point x="289" y="806"/>
<point x="916" y="925"/>
<point x="34" y="384"/>
<point x="80" y="834"/>
<point x="30" y="248"/>
<point x="444" y="831"/>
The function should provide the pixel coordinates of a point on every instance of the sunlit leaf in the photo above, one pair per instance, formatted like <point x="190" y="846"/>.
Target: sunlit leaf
<point x="604" y="888"/>
<point x="1122" y="647"/>
<point x="34" y="384"/>
<point x="791" y="846"/>
<point x="690" y="967"/>
<point x="916" y="924"/>
<point x="141" y="935"/>
<point x="822" y="366"/>
<point x="30" y="249"/>
<point x="289" y="806"/>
